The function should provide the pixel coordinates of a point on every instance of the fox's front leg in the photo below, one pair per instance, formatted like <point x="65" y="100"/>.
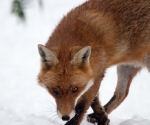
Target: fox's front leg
<point x="99" y="116"/>
<point x="84" y="103"/>
<point x="80" y="109"/>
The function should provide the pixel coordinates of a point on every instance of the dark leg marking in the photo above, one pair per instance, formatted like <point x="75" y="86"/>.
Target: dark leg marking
<point x="79" y="109"/>
<point x="99" y="116"/>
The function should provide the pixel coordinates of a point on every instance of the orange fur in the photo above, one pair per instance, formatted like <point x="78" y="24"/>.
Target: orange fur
<point x="117" y="32"/>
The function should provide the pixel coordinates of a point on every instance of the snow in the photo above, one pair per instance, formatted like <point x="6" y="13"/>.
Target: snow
<point x="136" y="120"/>
<point x="22" y="100"/>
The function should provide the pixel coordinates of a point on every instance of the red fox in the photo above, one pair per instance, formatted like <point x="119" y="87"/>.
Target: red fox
<point x="88" y="40"/>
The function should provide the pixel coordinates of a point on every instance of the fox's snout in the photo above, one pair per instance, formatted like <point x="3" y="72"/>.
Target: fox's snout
<point x="66" y="116"/>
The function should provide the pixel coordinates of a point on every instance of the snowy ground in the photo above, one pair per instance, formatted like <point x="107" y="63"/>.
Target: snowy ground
<point x="22" y="101"/>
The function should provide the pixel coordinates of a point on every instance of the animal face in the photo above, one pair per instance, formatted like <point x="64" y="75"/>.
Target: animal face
<point x="65" y="82"/>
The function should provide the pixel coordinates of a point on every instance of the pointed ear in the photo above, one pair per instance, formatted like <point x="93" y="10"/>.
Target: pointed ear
<point x="47" y="56"/>
<point x="82" y="56"/>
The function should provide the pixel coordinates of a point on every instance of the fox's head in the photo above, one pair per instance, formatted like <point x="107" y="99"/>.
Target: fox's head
<point x="67" y="76"/>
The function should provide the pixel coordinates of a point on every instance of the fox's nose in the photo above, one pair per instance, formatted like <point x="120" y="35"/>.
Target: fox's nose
<point x="65" y="118"/>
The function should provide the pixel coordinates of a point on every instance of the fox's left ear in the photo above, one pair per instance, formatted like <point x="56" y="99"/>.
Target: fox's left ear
<point x="82" y="56"/>
<point x="47" y="55"/>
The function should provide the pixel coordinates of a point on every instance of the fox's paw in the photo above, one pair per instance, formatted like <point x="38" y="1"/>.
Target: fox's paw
<point x="101" y="118"/>
<point x="92" y="118"/>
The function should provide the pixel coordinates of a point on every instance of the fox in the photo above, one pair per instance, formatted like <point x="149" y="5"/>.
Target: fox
<point x="88" y="40"/>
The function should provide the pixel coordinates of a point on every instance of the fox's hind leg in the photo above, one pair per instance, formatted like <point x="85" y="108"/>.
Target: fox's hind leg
<point x="125" y="75"/>
<point x="147" y="61"/>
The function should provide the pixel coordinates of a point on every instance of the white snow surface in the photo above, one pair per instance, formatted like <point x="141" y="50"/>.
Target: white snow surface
<point x="22" y="100"/>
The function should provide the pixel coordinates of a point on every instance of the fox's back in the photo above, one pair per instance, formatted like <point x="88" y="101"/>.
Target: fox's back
<point x="118" y="26"/>
<point x="132" y="18"/>
<point x="132" y="25"/>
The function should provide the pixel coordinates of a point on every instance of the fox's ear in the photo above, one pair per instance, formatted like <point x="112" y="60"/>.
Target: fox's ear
<point x="47" y="56"/>
<point x="82" y="56"/>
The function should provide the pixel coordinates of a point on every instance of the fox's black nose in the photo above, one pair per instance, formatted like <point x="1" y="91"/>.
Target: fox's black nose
<point x="65" y="118"/>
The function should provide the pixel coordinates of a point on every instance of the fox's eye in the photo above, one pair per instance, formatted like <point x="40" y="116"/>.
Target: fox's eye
<point x="74" y="90"/>
<point x="55" y="91"/>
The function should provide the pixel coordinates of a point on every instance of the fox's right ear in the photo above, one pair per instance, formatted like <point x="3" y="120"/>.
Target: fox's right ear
<point x="82" y="56"/>
<point x="47" y="56"/>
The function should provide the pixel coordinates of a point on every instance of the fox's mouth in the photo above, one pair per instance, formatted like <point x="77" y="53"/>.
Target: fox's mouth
<point x="66" y="117"/>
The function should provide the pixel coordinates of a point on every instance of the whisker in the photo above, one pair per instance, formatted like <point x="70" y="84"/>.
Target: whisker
<point x="56" y="116"/>
<point x="53" y="117"/>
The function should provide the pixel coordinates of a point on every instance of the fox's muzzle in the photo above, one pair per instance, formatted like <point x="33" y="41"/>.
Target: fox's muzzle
<point x="66" y="116"/>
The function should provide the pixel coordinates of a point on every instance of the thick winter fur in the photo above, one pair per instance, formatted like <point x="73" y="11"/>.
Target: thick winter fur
<point x="88" y="40"/>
